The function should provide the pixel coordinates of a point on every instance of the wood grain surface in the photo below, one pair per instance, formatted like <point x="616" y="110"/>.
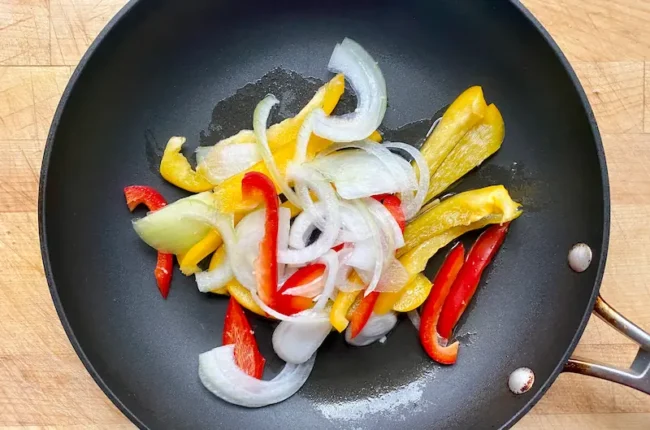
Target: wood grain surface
<point x="44" y="385"/>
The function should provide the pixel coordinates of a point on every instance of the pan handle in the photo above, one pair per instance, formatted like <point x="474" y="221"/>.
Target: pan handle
<point x="638" y="375"/>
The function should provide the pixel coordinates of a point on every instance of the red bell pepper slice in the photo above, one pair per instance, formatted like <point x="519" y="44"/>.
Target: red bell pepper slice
<point x="444" y="354"/>
<point x="394" y="206"/>
<point x="362" y="313"/>
<point x="237" y="331"/>
<point x="290" y="305"/>
<point x="140" y="194"/>
<point x="258" y="187"/>
<point x="468" y="278"/>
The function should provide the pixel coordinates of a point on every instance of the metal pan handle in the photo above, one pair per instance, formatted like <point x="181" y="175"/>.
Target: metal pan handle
<point x="638" y="375"/>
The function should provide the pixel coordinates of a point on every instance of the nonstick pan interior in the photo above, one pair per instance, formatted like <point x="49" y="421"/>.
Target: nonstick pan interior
<point x="160" y="71"/>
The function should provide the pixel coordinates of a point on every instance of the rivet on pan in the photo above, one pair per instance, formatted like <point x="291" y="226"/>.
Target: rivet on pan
<point x="580" y="257"/>
<point x="521" y="380"/>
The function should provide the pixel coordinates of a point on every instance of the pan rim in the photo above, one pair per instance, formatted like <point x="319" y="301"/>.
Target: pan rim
<point x="122" y="13"/>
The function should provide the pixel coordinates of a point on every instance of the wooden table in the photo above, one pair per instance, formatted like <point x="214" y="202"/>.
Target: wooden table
<point x="43" y="383"/>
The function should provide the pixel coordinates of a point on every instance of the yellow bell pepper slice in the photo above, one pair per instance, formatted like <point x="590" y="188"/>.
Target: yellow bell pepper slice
<point x="414" y="294"/>
<point x="206" y="246"/>
<point x="458" y="210"/>
<point x="340" y="308"/>
<point x="376" y="137"/>
<point x="175" y="168"/>
<point x="474" y="147"/>
<point x="343" y="303"/>
<point x="244" y="297"/>
<point x="464" y="113"/>
<point x="444" y="222"/>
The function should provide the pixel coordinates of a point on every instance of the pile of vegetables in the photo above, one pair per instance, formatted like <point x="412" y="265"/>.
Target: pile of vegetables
<point x="345" y="247"/>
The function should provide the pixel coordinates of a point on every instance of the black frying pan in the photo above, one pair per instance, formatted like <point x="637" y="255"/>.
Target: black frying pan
<point x="160" y="69"/>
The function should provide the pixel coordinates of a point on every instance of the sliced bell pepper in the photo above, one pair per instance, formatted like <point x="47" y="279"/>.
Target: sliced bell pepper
<point x="465" y="285"/>
<point x="444" y="354"/>
<point x="237" y="331"/>
<point x="139" y="194"/>
<point x="290" y="305"/>
<point x="244" y="297"/>
<point x="258" y="187"/>
<point x="340" y="308"/>
<point x="460" y="209"/>
<point x="190" y="260"/>
<point x="175" y="168"/>
<point x="464" y="113"/>
<point x="387" y="300"/>
<point x="414" y="294"/>
<point x="362" y="313"/>
<point x="483" y="140"/>
<point x="375" y="137"/>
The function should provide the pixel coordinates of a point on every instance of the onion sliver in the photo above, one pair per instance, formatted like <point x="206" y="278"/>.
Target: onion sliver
<point x="220" y="162"/>
<point x="379" y="261"/>
<point x="414" y="316"/>
<point x="220" y="375"/>
<point x="412" y="206"/>
<point x="376" y="328"/>
<point x="331" y="261"/>
<point x="368" y="83"/>
<point x="297" y="341"/>
<point x="215" y="278"/>
<point x="329" y="234"/>
<point x="260" y="119"/>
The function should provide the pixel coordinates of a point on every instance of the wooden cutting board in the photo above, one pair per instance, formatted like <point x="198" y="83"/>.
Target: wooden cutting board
<point x="43" y="383"/>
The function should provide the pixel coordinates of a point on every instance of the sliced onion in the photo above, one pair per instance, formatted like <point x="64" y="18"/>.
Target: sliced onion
<point x="284" y="226"/>
<point x="330" y="233"/>
<point x="331" y="261"/>
<point x="412" y="204"/>
<point x="369" y="85"/>
<point x="363" y="255"/>
<point x="260" y="119"/>
<point x="219" y="162"/>
<point x="302" y="142"/>
<point x="311" y="289"/>
<point x="163" y="230"/>
<point x="375" y="236"/>
<point x="220" y="375"/>
<point x="315" y="316"/>
<point x="389" y="226"/>
<point x="393" y="278"/>
<point x="376" y="328"/>
<point x="295" y="342"/>
<point x="215" y="278"/>
<point x="358" y="174"/>
<point x="414" y="316"/>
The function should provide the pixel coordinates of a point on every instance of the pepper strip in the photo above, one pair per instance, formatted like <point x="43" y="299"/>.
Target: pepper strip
<point x="431" y="342"/>
<point x="465" y="285"/>
<point x="237" y="331"/>
<point x="258" y="187"/>
<point x="140" y="194"/>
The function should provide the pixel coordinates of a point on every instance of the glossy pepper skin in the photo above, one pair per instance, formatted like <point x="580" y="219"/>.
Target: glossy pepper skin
<point x="394" y="206"/>
<point x="362" y="313"/>
<point x="290" y="305"/>
<point x="466" y="283"/>
<point x="257" y="187"/>
<point x="175" y="168"/>
<point x="464" y="113"/>
<point x="442" y="283"/>
<point x="140" y="194"/>
<point x="237" y="331"/>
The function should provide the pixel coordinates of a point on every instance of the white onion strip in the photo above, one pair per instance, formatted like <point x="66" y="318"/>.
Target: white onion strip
<point x="376" y="328"/>
<point x="413" y="205"/>
<point x="330" y="233"/>
<point x="379" y="262"/>
<point x="367" y="81"/>
<point x="220" y="375"/>
<point x="295" y="342"/>
<point x="215" y="278"/>
<point x="331" y="261"/>
<point x="260" y="119"/>
<point x="414" y="316"/>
